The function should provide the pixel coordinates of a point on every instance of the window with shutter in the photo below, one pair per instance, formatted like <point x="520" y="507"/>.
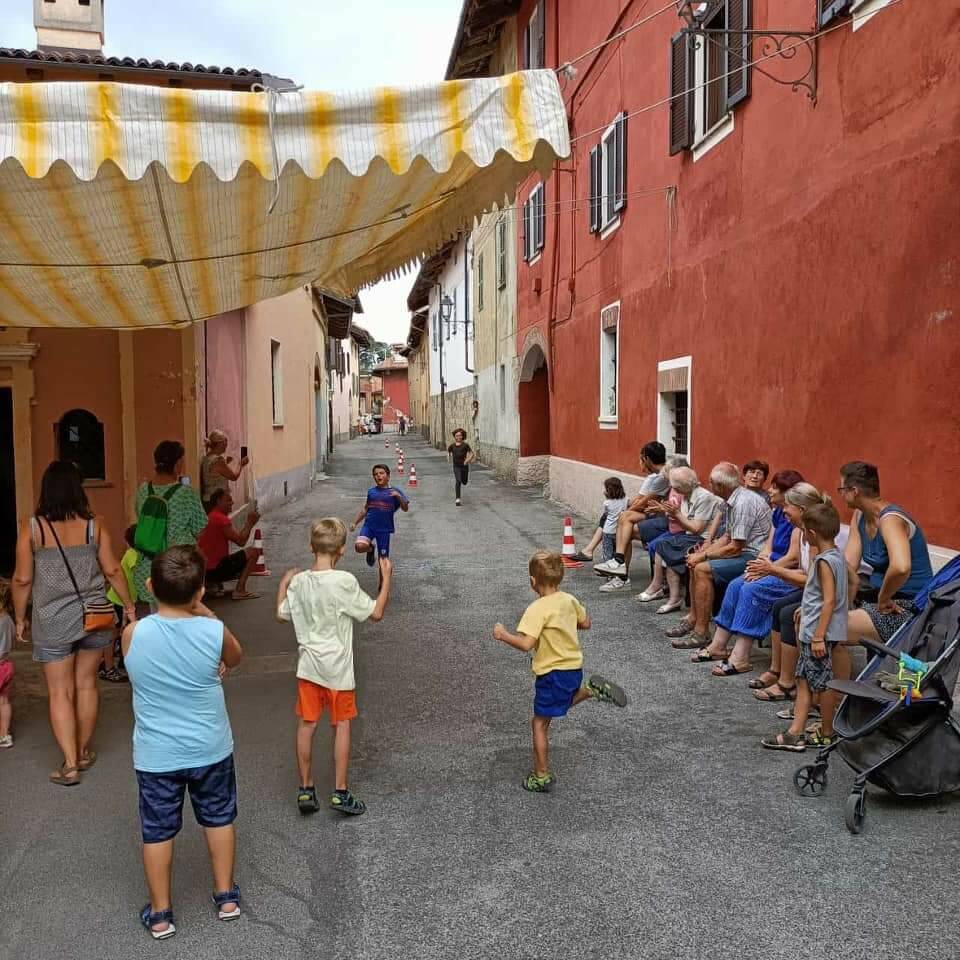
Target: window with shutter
<point x="525" y="226"/>
<point x="830" y="10"/>
<point x="595" y="178"/>
<point x="534" y="47"/>
<point x="739" y="19"/>
<point x="681" y="92"/>
<point x="620" y="179"/>
<point x="609" y="350"/>
<point x="501" y="253"/>
<point x="480" y="282"/>
<point x="541" y="213"/>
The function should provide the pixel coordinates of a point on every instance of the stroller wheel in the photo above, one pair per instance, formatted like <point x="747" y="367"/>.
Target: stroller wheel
<point x="855" y="811"/>
<point x="811" y="780"/>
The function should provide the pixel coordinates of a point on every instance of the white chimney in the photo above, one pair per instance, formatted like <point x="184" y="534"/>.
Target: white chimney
<point x="69" y="24"/>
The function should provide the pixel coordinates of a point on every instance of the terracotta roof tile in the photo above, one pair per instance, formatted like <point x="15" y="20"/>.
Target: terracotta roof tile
<point x="97" y="59"/>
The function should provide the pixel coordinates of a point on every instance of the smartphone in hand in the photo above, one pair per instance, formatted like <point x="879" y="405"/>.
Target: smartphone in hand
<point x="243" y="452"/>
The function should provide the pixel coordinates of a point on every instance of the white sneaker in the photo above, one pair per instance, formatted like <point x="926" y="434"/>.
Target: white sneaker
<point x="6" y="742"/>
<point x="612" y="568"/>
<point x="458" y="502"/>
<point x="614" y="584"/>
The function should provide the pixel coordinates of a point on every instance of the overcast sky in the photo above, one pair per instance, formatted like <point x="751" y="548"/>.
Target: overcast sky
<point x="323" y="44"/>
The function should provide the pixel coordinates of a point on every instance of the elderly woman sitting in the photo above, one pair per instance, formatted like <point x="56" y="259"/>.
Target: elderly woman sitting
<point x="693" y="514"/>
<point x="747" y="611"/>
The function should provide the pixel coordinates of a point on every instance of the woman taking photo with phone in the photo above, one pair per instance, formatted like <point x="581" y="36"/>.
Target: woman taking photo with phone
<point x="215" y="470"/>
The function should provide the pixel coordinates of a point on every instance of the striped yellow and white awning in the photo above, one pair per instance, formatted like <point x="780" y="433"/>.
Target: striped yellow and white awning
<point x="130" y="206"/>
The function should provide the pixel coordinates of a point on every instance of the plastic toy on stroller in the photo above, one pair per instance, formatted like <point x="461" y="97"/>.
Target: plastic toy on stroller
<point x="894" y="726"/>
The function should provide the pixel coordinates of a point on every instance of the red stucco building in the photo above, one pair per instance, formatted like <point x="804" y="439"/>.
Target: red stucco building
<point x="396" y="389"/>
<point x="742" y="269"/>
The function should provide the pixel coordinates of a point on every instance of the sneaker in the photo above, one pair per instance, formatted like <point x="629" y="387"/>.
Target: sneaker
<point x="611" y="568"/>
<point x="346" y="802"/>
<point x="458" y="501"/>
<point x="6" y="742"/>
<point x="371" y="557"/>
<point x="307" y="801"/>
<point x="114" y="676"/>
<point x="582" y="557"/>
<point x="606" y="691"/>
<point x="614" y="584"/>
<point x="537" y="784"/>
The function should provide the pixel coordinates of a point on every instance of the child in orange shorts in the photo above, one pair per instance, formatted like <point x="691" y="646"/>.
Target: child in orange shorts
<point x="323" y="602"/>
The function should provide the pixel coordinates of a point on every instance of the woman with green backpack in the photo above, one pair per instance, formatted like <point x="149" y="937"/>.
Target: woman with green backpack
<point x="168" y="513"/>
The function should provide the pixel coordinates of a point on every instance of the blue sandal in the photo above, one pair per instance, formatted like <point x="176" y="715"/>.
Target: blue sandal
<point x="222" y="899"/>
<point x="148" y="919"/>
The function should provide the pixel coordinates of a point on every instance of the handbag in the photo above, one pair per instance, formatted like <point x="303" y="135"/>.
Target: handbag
<point x="98" y="614"/>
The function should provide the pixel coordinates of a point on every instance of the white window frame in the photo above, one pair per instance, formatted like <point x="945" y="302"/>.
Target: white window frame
<point x="863" y="11"/>
<point x="675" y="364"/>
<point x="531" y="38"/>
<point x="704" y="140"/>
<point x="608" y="150"/>
<point x="503" y="388"/>
<point x="276" y="382"/>
<point x="605" y="420"/>
<point x="532" y="221"/>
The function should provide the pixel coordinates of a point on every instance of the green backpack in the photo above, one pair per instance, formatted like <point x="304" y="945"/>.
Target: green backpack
<point x="151" y="535"/>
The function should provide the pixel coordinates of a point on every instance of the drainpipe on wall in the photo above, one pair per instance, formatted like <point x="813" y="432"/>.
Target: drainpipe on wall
<point x="443" y="385"/>
<point x="466" y="310"/>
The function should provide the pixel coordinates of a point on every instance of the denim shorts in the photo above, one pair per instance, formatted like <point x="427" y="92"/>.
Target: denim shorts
<point x="213" y="795"/>
<point x="554" y="692"/>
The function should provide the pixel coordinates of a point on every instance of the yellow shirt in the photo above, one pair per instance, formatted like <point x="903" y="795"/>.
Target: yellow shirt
<point x="553" y="620"/>
<point x="127" y="564"/>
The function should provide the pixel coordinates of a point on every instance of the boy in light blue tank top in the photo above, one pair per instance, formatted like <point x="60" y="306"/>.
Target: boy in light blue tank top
<point x="182" y="738"/>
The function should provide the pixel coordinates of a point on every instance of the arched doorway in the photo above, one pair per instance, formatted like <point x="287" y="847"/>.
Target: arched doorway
<point x="533" y="465"/>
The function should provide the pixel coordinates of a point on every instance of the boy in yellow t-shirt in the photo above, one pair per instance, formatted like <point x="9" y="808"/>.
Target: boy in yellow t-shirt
<point x="112" y="667"/>
<point x="548" y="629"/>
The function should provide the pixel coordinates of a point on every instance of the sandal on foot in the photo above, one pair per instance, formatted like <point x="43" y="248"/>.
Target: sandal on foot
<point x="758" y="683"/>
<point x="149" y="920"/>
<point x="729" y="669"/>
<point x="65" y="776"/>
<point x="705" y="656"/>
<point x="220" y="900"/>
<point x="670" y="607"/>
<point x="582" y="557"/>
<point x="775" y="693"/>
<point x="536" y="783"/>
<point x="346" y="802"/>
<point x="87" y="760"/>
<point x="796" y="743"/>
<point x="307" y="801"/>
<point x="817" y="738"/>
<point x="244" y="596"/>
<point x="694" y="641"/>
<point x="680" y="630"/>
<point x="606" y="691"/>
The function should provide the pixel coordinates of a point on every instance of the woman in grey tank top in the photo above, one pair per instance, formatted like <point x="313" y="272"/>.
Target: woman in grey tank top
<point x="64" y="538"/>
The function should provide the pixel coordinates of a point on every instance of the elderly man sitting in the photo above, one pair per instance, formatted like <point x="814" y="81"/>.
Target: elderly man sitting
<point x="638" y="520"/>
<point x="746" y="520"/>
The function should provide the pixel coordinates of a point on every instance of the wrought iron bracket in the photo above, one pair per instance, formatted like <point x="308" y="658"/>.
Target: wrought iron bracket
<point x="789" y="45"/>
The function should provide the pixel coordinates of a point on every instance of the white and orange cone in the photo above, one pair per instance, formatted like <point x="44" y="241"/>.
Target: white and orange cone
<point x="412" y="482"/>
<point x="260" y="570"/>
<point x="386" y="444"/>
<point x="400" y="464"/>
<point x="569" y="545"/>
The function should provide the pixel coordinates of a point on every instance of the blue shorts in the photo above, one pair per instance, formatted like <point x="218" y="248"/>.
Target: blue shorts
<point x="380" y="537"/>
<point x="213" y="794"/>
<point x="727" y="569"/>
<point x="554" y="692"/>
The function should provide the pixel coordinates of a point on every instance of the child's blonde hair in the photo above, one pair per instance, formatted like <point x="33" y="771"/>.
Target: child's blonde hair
<point x="546" y="568"/>
<point x="6" y="597"/>
<point x="327" y="536"/>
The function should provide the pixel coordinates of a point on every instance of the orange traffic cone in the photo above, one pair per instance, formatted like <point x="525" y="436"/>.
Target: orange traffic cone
<point x="400" y="465"/>
<point x="569" y="545"/>
<point x="260" y="570"/>
<point x="412" y="482"/>
<point x="386" y="444"/>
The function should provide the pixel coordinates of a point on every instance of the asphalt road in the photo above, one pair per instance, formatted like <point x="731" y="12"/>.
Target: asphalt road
<point x="670" y="833"/>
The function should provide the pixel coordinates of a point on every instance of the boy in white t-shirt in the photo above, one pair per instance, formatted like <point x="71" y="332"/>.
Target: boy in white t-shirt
<point x="323" y="603"/>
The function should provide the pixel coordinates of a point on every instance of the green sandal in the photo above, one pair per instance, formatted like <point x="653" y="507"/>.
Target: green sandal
<point x="538" y="784"/>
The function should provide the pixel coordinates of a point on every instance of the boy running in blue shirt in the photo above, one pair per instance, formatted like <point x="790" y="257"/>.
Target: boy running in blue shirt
<point x="383" y="501"/>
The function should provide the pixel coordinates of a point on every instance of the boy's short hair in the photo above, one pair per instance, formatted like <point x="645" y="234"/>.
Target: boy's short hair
<point x="546" y="568"/>
<point x="327" y="536"/>
<point x="655" y="452"/>
<point x="380" y="466"/>
<point x="460" y="431"/>
<point x="822" y="519"/>
<point x="177" y="574"/>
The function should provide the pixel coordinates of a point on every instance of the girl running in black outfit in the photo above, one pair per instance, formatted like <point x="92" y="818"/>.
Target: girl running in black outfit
<point x="461" y="454"/>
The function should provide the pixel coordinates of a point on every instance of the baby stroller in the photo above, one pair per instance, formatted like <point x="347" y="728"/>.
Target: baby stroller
<point x="905" y="740"/>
